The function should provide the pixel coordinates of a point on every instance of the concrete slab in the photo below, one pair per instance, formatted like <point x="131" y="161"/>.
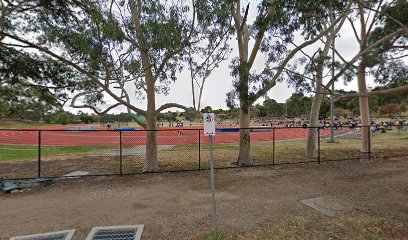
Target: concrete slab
<point x="327" y="205"/>
<point x="131" y="151"/>
<point x="76" y="174"/>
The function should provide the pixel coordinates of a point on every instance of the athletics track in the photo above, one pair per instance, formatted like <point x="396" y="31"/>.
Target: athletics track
<point x="165" y="136"/>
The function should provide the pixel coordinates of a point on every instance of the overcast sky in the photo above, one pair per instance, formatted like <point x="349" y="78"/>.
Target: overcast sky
<point x="220" y="82"/>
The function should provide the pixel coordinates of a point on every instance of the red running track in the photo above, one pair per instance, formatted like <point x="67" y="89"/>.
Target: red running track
<point x="133" y="138"/>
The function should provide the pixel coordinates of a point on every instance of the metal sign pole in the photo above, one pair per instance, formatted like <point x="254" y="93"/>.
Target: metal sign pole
<point x="209" y="130"/>
<point x="213" y="207"/>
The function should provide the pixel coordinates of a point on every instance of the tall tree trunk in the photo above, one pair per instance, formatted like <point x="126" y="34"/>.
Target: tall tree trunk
<point x="200" y="96"/>
<point x="244" y="157"/>
<point x="364" y="108"/>
<point x="151" y="163"/>
<point x="318" y="98"/>
<point x="193" y="92"/>
<point x="196" y="114"/>
<point x="314" y="123"/>
<point x="362" y="86"/>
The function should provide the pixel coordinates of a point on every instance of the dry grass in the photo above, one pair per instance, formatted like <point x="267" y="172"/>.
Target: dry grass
<point x="318" y="227"/>
<point x="315" y="226"/>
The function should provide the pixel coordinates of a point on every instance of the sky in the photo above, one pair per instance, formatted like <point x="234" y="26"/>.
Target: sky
<point x="220" y="81"/>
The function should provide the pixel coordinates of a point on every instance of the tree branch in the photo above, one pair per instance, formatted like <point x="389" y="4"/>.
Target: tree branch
<point x="354" y="29"/>
<point x="241" y="28"/>
<point x="93" y="108"/>
<point x="365" y="51"/>
<point x="236" y="16"/>
<point x="259" y="37"/>
<point x="93" y="78"/>
<point x="370" y="28"/>
<point x="402" y="89"/>
<point x="170" y="105"/>
<point x="282" y="66"/>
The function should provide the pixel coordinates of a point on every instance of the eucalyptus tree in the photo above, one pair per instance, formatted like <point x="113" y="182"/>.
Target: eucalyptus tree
<point x="385" y="62"/>
<point x="366" y="26"/>
<point x="209" y="47"/>
<point x="374" y="43"/>
<point x="271" y="32"/>
<point x="21" y="85"/>
<point x="23" y="75"/>
<point x="312" y="78"/>
<point x="110" y="46"/>
<point x="372" y="52"/>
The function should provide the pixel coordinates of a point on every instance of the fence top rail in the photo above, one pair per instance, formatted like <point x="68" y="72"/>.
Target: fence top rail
<point x="161" y="130"/>
<point x="97" y="130"/>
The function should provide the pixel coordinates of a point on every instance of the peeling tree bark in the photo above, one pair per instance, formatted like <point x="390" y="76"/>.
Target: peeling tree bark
<point x="362" y="85"/>
<point x="314" y="123"/>
<point x="364" y="108"/>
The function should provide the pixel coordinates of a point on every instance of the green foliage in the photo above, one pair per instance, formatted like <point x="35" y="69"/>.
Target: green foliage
<point x="65" y="118"/>
<point x="299" y="104"/>
<point x="384" y="59"/>
<point x="207" y="109"/>
<point x="376" y="102"/>
<point x="167" y="117"/>
<point x="190" y="114"/>
<point x="32" y="86"/>
<point x="87" y="118"/>
<point x="258" y="111"/>
<point x="121" y="117"/>
<point x="273" y="108"/>
<point x="97" y="45"/>
<point x="391" y="73"/>
<point x="392" y="17"/>
<point x="277" y="30"/>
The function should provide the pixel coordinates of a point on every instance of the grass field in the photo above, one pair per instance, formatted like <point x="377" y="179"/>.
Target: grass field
<point x="12" y="153"/>
<point x="391" y="143"/>
<point x="22" y="125"/>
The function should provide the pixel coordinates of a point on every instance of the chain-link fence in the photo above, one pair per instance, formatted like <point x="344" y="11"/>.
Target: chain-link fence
<point x="59" y="153"/>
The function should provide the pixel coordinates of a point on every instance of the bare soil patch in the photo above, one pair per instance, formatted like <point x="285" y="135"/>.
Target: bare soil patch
<point x="177" y="205"/>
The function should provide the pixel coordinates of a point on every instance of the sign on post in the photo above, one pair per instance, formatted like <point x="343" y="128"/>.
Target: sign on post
<point x="209" y="124"/>
<point x="209" y="130"/>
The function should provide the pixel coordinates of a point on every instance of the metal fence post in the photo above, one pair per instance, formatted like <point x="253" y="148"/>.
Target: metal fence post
<point x="369" y="143"/>
<point x="273" y="147"/>
<point x="121" y="155"/>
<point x="318" y="145"/>
<point x="39" y="153"/>
<point x="199" y="149"/>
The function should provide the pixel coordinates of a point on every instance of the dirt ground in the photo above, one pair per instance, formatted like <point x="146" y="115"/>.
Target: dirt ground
<point x="177" y="205"/>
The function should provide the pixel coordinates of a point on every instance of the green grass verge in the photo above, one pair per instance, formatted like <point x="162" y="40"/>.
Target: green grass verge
<point x="23" y="125"/>
<point x="350" y="226"/>
<point x="12" y="153"/>
<point x="214" y="235"/>
<point x="317" y="227"/>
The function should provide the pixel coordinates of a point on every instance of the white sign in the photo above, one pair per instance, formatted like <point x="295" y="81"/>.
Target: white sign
<point x="209" y="124"/>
